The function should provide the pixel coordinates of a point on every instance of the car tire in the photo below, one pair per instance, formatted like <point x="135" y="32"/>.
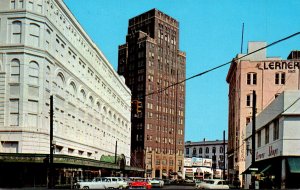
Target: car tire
<point x="86" y="187"/>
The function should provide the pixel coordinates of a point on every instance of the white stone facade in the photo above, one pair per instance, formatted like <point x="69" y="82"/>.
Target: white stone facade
<point x="204" y="149"/>
<point x="44" y="51"/>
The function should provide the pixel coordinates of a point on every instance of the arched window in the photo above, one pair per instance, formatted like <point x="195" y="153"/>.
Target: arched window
<point x="34" y="36"/>
<point x="98" y="106"/>
<point x="221" y="150"/>
<point x="72" y="89"/>
<point x="187" y="151"/>
<point x="200" y="150"/>
<point x="15" y="70"/>
<point x="82" y="95"/>
<point x="33" y="73"/>
<point x="207" y="150"/>
<point x="194" y="151"/>
<point x="91" y="99"/>
<point x="60" y="79"/>
<point x="104" y="110"/>
<point x="16" y="32"/>
<point x="48" y="39"/>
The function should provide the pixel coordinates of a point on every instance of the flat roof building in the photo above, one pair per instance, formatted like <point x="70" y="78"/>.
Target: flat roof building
<point x="268" y="76"/>
<point x="277" y="144"/>
<point x="203" y="155"/>
<point x="151" y="63"/>
<point x="45" y="52"/>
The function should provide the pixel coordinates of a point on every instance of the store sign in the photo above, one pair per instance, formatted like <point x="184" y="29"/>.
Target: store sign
<point x="267" y="152"/>
<point x="187" y="161"/>
<point x="207" y="162"/>
<point x="197" y="161"/>
<point x="281" y="65"/>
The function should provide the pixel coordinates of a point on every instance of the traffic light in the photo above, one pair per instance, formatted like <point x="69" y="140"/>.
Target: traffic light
<point x="139" y="106"/>
<point x="134" y="106"/>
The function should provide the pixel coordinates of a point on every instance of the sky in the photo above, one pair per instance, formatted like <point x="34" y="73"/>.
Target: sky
<point x="210" y="32"/>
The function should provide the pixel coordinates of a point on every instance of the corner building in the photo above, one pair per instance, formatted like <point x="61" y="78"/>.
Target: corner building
<point x="44" y="51"/>
<point x="150" y="60"/>
<point x="268" y="76"/>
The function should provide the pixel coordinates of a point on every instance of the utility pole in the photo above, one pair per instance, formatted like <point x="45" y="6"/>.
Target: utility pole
<point x="253" y="137"/>
<point x="50" y="185"/>
<point x="116" y="149"/>
<point x="253" y="126"/>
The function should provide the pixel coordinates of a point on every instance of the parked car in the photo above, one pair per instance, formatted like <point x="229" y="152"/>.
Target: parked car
<point x="99" y="183"/>
<point x="167" y="181"/>
<point x="214" y="184"/>
<point x="199" y="183"/>
<point x="156" y="182"/>
<point x="122" y="183"/>
<point x="139" y="183"/>
<point x="189" y="181"/>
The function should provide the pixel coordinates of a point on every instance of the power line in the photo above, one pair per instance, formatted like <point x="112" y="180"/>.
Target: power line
<point x="222" y="65"/>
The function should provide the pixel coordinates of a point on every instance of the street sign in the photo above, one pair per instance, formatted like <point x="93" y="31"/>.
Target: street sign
<point x="253" y="169"/>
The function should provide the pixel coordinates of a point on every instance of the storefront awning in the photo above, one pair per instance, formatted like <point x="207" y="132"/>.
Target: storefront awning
<point x="257" y="169"/>
<point x="294" y="165"/>
<point x="189" y="174"/>
<point x="266" y="169"/>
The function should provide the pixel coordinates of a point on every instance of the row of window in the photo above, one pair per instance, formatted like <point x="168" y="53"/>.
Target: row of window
<point x="266" y="129"/>
<point x="207" y="150"/>
<point x="60" y="83"/>
<point x="279" y="78"/>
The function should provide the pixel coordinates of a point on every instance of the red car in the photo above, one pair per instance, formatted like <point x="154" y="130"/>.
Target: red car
<point x="139" y="183"/>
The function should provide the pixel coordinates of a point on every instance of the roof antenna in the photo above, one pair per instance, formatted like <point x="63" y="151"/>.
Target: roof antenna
<point x="242" y="39"/>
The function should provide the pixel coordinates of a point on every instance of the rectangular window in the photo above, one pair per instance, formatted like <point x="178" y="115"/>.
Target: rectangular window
<point x="280" y="78"/>
<point x="16" y="32"/>
<point x="13" y="4"/>
<point x="259" y="138"/>
<point x="276" y="129"/>
<point x="267" y="129"/>
<point x="10" y="146"/>
<point x="248" y="100"/>
<point x="14" y="112"/>
<point x="30" y="5"/>
<point x="277" y="78"/>
<point x="21" y="4"/>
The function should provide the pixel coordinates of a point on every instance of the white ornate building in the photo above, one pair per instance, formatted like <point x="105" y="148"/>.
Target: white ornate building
<point x="44" y="51"/>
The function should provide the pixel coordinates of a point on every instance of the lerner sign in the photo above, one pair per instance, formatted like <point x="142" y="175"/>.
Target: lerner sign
<point x="281" y="65"/>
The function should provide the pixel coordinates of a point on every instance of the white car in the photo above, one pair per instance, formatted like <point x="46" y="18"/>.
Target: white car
<point x="100" y="183"/>
<point x="121" y="181"/>
<point x="156" y="182"/>
<point x="199" y="184"/>
<point x="214" y="184"/>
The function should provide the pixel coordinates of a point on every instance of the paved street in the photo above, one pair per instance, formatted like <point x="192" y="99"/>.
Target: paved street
<point x="177" y="187"/>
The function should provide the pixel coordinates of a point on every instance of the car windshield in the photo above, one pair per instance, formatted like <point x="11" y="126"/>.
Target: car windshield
<point x="210" y="181"/>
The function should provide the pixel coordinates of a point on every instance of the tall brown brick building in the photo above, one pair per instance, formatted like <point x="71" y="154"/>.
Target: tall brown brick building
<point x="150" y="60"/>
